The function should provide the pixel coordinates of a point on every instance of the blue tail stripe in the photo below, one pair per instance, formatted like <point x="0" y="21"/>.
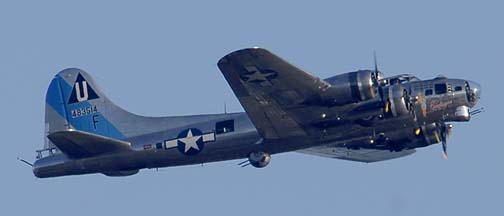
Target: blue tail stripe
<point x="55" y="99"/>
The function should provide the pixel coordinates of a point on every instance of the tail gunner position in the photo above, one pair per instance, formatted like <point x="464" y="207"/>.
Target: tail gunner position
<point x="358" y="116"/>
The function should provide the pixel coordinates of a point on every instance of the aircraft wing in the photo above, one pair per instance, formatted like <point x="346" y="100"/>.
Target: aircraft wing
<point x="361" y="155"/>
<point x="270" y="90"/>
<point x="80" y="144"/>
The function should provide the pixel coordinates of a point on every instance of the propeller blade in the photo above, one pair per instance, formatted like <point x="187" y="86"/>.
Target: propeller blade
<point x="449" y="128"/>
<point x="445" y="153"/>
<point x="375" y="64"/>
<point x="377" y="81"/>
<point x="445" y="134"/>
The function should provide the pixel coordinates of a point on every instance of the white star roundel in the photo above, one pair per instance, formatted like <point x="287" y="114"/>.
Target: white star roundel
<point x="192" y="141"/>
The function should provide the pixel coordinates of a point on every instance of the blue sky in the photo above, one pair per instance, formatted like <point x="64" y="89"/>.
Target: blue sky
<point x="159" y="58"/>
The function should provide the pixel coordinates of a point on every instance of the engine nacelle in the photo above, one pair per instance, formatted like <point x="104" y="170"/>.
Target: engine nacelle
<point x="396" y="100"/>
<point x="351" y="87"/>
<point x="431" y="134"/>
<point x="259" y="159"/>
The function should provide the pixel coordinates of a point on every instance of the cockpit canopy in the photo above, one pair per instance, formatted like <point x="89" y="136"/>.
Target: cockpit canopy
<point x="400" y="79"/>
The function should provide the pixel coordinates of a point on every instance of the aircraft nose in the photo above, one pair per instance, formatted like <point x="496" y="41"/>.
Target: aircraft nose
<point x="474" y="92"/>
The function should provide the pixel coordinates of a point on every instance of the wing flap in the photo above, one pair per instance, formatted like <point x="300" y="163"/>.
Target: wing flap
<point x="80" y="144"/>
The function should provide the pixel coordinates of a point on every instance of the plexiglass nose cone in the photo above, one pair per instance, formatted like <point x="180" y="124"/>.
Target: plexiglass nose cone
<point x="475" y="89"/>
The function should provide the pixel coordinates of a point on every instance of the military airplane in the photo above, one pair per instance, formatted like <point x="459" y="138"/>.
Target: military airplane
<point x="357" y="116"/>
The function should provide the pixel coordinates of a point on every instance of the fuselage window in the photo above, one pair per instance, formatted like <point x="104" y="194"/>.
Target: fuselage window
<point x="224" y="127"/>
<point x="440" y="88"/>
<point x="458" y="88"/>
<point x="395" y="81"/>
<point x="428" y="92"/>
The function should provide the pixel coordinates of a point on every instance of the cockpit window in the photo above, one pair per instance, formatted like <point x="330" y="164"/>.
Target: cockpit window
<point x="428" y="92"/>
<point x="458" y="88"/>
<point x="395" y="81"/>
<point x="440" y="88"/>
<point x="403" y="78"/>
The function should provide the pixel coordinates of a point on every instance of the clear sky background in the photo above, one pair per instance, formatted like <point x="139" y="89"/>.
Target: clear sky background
<point x="157" y="58"/>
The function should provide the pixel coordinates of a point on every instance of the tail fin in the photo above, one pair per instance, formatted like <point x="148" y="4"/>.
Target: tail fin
<point x="74" y="101"/>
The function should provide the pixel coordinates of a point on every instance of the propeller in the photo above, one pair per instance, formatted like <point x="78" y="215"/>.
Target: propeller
<point x="375" y="62"/>
<point x="445" y="131"/>
<point x="376" y="73"/>
<point x="377" y="79"/>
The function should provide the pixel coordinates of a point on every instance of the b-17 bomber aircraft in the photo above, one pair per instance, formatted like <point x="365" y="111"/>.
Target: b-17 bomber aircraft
<point x="357" y="116"/>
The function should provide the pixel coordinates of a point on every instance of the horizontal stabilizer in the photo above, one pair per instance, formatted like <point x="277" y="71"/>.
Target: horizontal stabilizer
<point x="80" y="144"/>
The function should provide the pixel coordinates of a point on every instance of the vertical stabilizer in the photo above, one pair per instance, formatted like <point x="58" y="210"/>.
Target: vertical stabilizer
<point x="74" y="101"/>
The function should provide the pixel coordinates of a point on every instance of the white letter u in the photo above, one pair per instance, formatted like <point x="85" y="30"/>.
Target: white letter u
<point x="84" y="97"/>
